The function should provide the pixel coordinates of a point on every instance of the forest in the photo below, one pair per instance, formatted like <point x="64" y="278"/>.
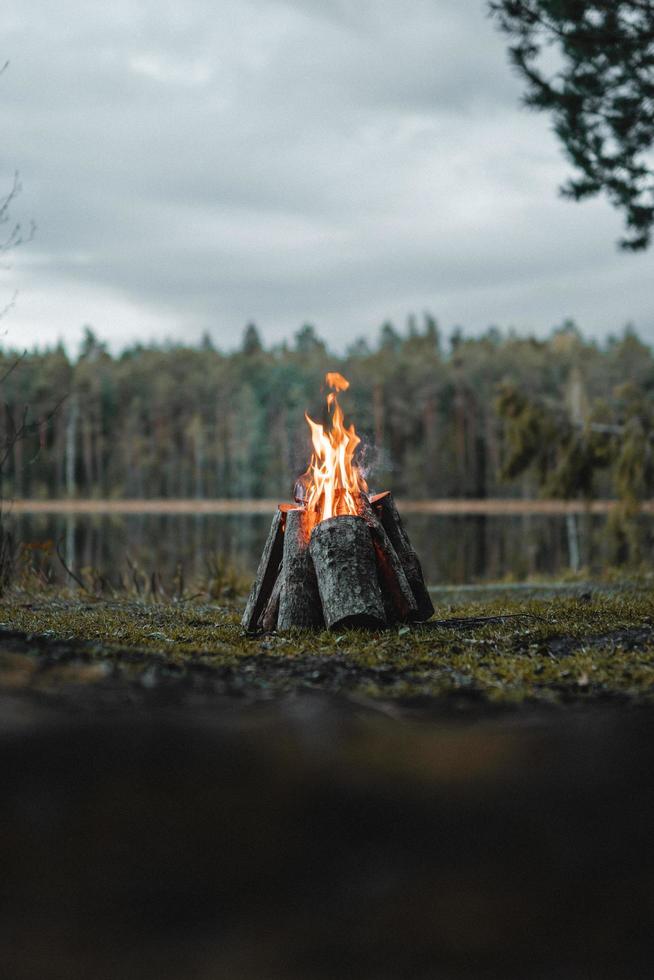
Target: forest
<point x="496" y="415"/>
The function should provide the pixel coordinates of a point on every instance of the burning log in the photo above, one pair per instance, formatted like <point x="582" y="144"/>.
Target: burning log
<point x="384" y="505"/>
<point x="399" y="601"/>
<point x="337" y="557"/>
<point x="344" y="559"/>
<point x="300" y="600"/>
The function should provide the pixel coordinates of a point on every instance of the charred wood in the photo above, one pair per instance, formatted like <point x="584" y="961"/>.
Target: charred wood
<point x="384" y="505"/>
<point x="399" y="601"/>
<point x="266" y="574"/>
<point x="268" y="621"/>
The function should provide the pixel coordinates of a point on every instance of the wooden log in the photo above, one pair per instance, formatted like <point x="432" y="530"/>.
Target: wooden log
<point x="266" y="575"/>
<point x="268" y="621"/>
<point x="299" y="603"/>
<point x="384" y="505"/>
<point x="344" y="559"/>
<point x="399" y="601"/>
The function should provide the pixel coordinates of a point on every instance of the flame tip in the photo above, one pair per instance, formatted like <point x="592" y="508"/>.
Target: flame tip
<point x="335" y="380"/>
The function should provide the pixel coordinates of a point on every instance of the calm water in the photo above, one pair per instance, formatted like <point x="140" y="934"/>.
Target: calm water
<point x="453" y="549"/>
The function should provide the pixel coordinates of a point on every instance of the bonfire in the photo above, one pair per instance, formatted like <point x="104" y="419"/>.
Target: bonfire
<point x="338" y="556"/>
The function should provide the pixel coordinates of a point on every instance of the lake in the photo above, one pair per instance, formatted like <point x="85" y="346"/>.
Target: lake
<point x="454" y="548"/>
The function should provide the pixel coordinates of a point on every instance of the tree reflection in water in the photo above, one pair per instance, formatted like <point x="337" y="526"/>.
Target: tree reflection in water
<point x="454" y="549"/>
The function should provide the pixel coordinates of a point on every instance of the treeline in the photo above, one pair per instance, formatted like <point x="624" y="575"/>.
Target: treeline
<point x="180" y="421"/>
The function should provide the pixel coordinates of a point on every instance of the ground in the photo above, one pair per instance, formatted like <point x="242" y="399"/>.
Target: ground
<point x="469" y="799"/>
<point x="485" y="649"/>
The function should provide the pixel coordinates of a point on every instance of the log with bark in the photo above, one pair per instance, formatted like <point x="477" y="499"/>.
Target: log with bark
<point x="344" y="558"/>
<point x="399" y="602"/>
<point x="270" y="618"/>
<point x="300" y="603"/>
<point x="266" y="576"/>
<point x="384" y="505"/>
<point x="346" y="571"/>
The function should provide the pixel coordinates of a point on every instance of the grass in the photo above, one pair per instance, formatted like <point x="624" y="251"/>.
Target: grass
<point x="550" y="651"/>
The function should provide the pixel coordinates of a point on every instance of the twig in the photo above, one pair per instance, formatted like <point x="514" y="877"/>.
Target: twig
<point x="3" y="312"/>
<point x="134" y="570"/>
<point x="435" y="623"/>
<point x="475" y="621"/>
<point x="70" y="572"/>
<point x="17" y="432"/>
<point x="21" y="357"/>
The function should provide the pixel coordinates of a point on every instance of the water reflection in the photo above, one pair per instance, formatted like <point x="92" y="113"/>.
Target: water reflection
<point x="454" y="549"/>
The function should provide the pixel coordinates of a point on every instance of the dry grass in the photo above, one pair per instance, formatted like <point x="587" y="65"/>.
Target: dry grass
<point x="501" y="651"/>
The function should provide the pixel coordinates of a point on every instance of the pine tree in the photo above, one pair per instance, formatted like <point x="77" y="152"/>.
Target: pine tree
<point x="251" y="343"/>
<point x="600" y="95"/>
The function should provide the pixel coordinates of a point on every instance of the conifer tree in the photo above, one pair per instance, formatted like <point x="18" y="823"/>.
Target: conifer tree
<point x="600" y="94"/>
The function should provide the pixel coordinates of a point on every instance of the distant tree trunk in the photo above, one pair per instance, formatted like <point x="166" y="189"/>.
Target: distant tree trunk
<point x="492" y="452"/>
<point x="183" y="487"/>
<point x="18" y="468"/>
<point x="98" y="444"/>
<point x="199" y="464"/>
<point x="87" y="452"/>
<point x="59" y="454"/>
<point x="198" y="458"/>
<point x="140" y="482"/>
<point x="71" y="444"/>
<point x="480" y="463"/>
<point x="135" y="486"/>
<point x="460" y="438"/>
<point x="430" y="425"/>
<point x="221" y="449"/>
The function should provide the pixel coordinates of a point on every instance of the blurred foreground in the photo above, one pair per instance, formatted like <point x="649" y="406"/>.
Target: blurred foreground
<point x="464" y="801"/>
<point x="314" y="838"/>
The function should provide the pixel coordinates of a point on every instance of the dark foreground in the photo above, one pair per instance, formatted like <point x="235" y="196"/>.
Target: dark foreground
<point x="157" y="823"/>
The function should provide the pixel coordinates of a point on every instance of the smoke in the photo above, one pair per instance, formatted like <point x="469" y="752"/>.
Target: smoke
<point x="372" y="460"/>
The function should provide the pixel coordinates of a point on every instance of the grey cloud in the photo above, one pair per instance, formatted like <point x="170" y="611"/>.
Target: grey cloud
<point x="308" y="159"/>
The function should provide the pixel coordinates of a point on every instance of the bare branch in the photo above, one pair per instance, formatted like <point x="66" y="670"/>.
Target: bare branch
<point x="22" y="430"/>
<point x="16" y="236"/>
<point x="69" y="571"/>
<point x="13" y="367"/>
<point x="5" y="309"/>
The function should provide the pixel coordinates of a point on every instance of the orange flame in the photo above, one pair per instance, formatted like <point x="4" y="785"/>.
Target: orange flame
<point x="333" y="482"/>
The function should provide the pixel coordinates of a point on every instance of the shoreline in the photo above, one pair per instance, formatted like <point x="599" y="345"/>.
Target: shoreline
<point x="445" y="507"/>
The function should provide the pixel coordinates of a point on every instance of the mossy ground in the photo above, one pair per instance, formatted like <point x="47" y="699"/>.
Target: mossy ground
<point x="539" y="649"/>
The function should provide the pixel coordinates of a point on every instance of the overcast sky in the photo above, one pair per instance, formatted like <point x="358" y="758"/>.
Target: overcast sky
<point x="195" y="165"/>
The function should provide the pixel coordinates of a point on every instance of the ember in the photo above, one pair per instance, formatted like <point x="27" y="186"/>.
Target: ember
<point x="338" y="557"/>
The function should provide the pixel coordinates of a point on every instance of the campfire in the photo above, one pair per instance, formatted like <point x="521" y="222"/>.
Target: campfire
<point x="339" y="556"/>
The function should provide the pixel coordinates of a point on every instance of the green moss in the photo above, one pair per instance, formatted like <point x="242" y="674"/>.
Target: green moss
<point x="553" y="650"/>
